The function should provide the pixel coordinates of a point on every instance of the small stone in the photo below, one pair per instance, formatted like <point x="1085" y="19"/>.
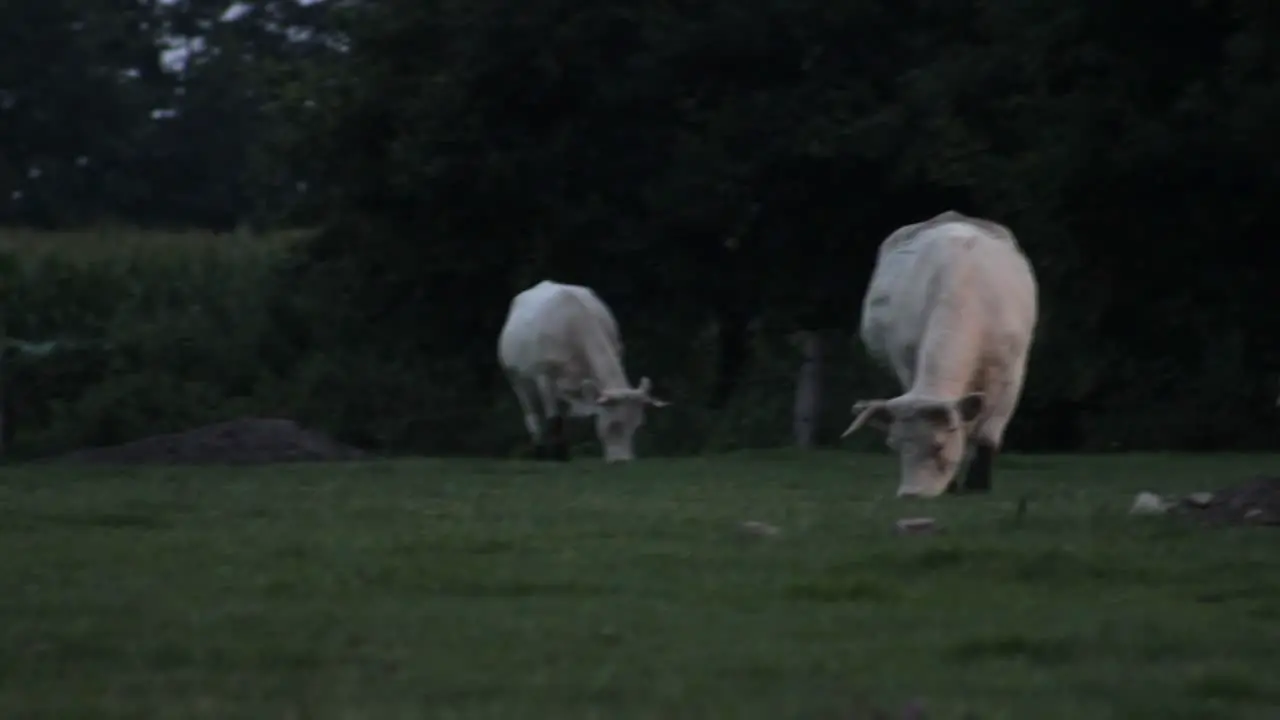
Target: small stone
<point x="1200" y="499"/>
<point x="1253" y="515"/>
<point x="913" y="711"/>
<point x="759" y="529"/>
<point x="915" y="526"/>
<point x="1148" y="504"/>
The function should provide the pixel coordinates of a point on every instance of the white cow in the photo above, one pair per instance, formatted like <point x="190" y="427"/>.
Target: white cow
<point x="560" y="344"/>
<point x="951" y="308"/>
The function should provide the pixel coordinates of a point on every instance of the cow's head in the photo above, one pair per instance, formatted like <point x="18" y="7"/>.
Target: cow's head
<point x="928" y="434"/>
<point x="619" y="412"/>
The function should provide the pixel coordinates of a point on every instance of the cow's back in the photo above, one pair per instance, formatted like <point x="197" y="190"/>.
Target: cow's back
<point x="551" y="325"/>
<point x="940" y="265"/>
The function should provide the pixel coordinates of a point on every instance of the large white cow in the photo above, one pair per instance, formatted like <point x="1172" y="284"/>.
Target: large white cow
<point x="560" y="346"/>
<point x="951" y="308"/>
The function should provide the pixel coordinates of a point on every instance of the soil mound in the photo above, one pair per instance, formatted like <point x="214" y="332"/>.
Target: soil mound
<point x="1256" y="502"/>
<point x="247" y="441"/>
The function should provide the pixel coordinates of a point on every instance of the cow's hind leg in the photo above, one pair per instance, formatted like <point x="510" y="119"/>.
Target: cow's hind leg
<point x="557" y="439"/>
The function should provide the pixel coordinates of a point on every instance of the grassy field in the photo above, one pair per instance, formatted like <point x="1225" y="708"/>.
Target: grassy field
<point x="485" y="589"/>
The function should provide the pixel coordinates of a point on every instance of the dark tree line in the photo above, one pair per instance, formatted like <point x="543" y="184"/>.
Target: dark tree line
<point x="99" y="124"/>
<point x="721" y="170"/>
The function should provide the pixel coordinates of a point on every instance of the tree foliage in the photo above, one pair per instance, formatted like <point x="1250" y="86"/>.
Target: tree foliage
<point x="738" y="161"/>
<point x="719" y="170"/>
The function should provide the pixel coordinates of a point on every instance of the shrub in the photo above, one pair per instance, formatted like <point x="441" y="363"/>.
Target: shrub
<point x="161" y="331"/>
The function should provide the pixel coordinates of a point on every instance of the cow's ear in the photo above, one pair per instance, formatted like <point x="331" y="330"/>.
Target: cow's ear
<point x="644" y="389"/>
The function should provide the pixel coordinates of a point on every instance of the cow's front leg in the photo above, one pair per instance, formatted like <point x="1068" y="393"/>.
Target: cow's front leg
<point x="538" y="432"/>
<point x="555" y="445"/>
<point x="978" y="478"/>
<point x="527" y="393"/>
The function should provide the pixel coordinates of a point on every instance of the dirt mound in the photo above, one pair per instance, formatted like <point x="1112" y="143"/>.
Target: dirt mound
<point x="1254" y="503"/>
<point x="248" y="441"/>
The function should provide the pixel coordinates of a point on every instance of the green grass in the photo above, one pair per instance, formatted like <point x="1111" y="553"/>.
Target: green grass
<point x="488" y="589"/>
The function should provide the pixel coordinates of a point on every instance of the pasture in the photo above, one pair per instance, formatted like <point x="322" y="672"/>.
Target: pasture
<point x="490" y="589"/>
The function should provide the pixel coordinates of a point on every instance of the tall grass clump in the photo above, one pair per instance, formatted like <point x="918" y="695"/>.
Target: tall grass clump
<point x="154" y="332"/>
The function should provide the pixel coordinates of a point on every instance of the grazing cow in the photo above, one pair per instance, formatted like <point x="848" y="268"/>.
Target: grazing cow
<point x="560" y="345"/>
<point x="951" y="308"/>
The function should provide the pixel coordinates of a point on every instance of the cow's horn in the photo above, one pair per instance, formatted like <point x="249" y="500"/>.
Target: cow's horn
<point x="865" y="409"/>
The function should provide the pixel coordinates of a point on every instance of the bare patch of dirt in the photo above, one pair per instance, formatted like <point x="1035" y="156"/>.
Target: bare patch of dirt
<point x="247" y="441"/>
<point x="1256" y="502"/>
